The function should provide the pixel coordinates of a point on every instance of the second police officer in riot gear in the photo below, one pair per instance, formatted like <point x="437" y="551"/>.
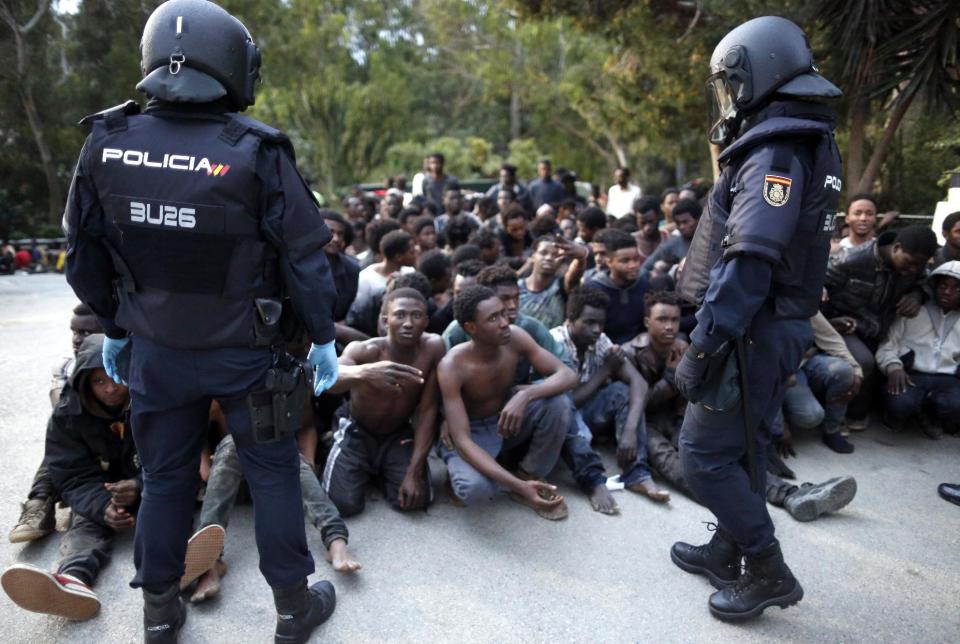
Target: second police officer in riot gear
<point x="756" y="267"/>
<point x="188" y="225"/>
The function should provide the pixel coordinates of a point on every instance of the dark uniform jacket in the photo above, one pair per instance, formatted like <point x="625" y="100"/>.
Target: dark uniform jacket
<point x="863" y="286"/>
<point x="87" y="444"/>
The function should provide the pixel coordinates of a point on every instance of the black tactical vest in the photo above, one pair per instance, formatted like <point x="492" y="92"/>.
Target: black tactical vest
<point x="799" y="276"/>
<point x="182" y="207"/>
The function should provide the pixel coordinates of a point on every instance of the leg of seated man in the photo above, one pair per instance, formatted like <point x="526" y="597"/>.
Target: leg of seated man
<point x="663" y="454"/>
<point x="320" y="511"/>
<point x="393" y="460"/>
<point x="586" y="465"/>
<point x="904" y="406"/>
<point x="545" y="423"/>
<point x="222" y="486"/>
<point x="800" y="407"/>
<point x="943" y="391"/>
<point x="350" y="467"/>
<point x="830" y="377"/>
<point x="37" y="518"/>
<point x="469" y="485"/>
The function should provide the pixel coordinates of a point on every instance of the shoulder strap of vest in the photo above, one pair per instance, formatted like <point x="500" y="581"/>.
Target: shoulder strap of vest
<point x="240" y="124"/>
<point x="776" y="128"/>
<point x="115" y="118"/>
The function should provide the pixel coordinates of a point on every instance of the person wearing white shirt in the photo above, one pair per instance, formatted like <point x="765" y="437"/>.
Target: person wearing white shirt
<point x="622" y="194"/>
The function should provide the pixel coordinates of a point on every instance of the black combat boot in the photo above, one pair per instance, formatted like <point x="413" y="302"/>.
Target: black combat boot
<point x="718" y="560"/>
<point x="766" y="581"/>
<point x="301" y="609"/>
<point x="163" y="615"/>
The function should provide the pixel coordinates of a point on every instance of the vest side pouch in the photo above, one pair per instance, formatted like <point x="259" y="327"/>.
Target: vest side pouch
<point x="707" y="245"/>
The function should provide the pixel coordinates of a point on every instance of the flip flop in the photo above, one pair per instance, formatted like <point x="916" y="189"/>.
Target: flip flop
<point x="203" y="550"/>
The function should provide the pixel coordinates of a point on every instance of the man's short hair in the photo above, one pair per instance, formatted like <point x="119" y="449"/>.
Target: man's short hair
<point x="509" y="167"/>
<point x="652" y="298"/>
<point x="470" y="267"/>
<point x="465" y="304"/>
<point x="542" y="239"/>
<point x="950" y="221"/>
<point x="484" y="238"/>
<point x="544" y="161"/>
<point x="617" y="239"/>
<point x="436" y="155"/>
<point x="332" y="215"/>
<point x="667" y="192"/>
<point x="512" y="211"/>
<point x="919" y="241"/>
<point x="645" y="204"/>
<point x="497" y="275"/>
<point x="583" y="296"/>
<point x="687" y="207"/>
<point x="863" y="196"/>
<point x="377" y="229"/>
<point x="593" y="218"/>
<point x="458" y="230"/>
<point x="422" y="222"/>
<point x="544" y="226"/>
<point x="415" y="280"/>
<point x="487" y="207"/>
<point x="434" y="264"/>
<point x="407" y="214"/>
<point x="625" y="170"/>
<point x="402" y="292"/>
<point x="465" y="252"/>
<point x="452" y="186"/>
<point x="626" y="223"/>
<point x="395" y="243"/>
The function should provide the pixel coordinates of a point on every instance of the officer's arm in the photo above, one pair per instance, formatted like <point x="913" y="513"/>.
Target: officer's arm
<point x="758" y="234"/>
<point x="292" y="224"/>
<point x="88" y="267"/>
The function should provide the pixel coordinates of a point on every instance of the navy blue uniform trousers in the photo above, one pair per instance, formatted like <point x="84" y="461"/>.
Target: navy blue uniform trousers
<point x="713" y="444"/>
<point x="171" y="391"/>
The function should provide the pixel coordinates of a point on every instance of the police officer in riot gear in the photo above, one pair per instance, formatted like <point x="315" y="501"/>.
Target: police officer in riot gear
<point x="756" y="267"/>
<point x="188" y="227"/>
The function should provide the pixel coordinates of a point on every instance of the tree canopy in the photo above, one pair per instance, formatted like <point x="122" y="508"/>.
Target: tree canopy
<point x="365" y="88"/>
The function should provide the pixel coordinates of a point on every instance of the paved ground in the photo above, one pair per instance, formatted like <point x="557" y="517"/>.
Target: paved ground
<point x="886" y="569"/>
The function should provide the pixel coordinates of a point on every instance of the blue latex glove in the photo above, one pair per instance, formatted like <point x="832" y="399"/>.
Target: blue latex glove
<point x="323" y="359"/>
<point x="111" y="350"/>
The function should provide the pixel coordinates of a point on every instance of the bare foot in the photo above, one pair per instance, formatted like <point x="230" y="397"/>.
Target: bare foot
<point x="602" y="501"/>
<point x="208" y="586"/>
<point x="340" y="558"/>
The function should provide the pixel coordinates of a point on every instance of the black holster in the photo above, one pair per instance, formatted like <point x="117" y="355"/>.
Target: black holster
<point x="276" y="410"/>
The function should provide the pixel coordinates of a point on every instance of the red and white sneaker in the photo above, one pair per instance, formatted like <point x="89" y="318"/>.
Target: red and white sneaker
<point x="43" y="592"/>
<point x="203" y="550"/>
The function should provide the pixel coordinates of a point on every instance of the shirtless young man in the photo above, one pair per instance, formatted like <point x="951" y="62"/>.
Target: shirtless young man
<point x="487" y="415"/>
<point x="391" y="380"/>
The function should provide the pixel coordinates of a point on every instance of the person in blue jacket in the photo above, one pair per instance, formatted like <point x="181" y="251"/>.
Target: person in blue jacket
<point x="756" y="266"/>
<point x="188" y="229"/>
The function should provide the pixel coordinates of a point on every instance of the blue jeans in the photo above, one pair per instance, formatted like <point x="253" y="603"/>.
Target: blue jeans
<point x="822" y="378"/>
<point x="545" y="425"/>
<point x="608" y="408"/>
<point x="942" y="390"/>
<point x="585" y="464"/>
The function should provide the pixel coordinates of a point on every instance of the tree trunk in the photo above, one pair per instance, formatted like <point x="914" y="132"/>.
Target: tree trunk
<point x="54" y="190"/>
<point x="858" y="125"/>
<point x="880" y="152"/>
<point x="515" y="116"/>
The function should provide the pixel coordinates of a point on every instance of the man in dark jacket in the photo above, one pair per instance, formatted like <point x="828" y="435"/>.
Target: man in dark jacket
<point x="92" y="461"/>
<point x="867" y="289"/>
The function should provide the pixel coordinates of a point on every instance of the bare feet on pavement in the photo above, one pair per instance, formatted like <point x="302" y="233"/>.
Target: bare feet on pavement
<point x="340" y="558"/>
<point x="602" y="501"/>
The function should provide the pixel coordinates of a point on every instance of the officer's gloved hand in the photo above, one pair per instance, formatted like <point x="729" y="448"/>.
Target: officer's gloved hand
<point x="111" y="351"/>
<point x="323" y="359"/>
<point x="691" y="373"/>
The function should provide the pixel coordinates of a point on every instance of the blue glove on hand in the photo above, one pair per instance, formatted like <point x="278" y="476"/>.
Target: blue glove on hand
<point x="323" y="359"/>
<point x="111" y="350"/>
<point x="691" y="373"/>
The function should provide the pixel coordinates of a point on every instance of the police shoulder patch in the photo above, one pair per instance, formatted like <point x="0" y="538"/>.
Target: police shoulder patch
<point x="776" y="189"/>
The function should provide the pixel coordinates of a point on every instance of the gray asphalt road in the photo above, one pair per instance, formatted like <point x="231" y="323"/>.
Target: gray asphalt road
<point x="885" y="569"/>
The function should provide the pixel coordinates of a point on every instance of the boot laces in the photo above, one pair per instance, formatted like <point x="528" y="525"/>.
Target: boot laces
<point x="33" y="512"/>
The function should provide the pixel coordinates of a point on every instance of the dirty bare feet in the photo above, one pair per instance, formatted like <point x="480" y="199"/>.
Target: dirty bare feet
<point x="340" y="557"/>
<point x="208" y="586"/>
<point x="602" y="501"/>
<point x="650" y="490"/>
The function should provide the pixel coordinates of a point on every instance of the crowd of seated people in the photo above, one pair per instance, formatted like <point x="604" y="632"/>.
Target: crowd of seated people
<point x="507" y="333"/>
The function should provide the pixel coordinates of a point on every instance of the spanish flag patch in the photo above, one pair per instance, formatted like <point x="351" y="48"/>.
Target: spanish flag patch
<point x="776" y="189"/>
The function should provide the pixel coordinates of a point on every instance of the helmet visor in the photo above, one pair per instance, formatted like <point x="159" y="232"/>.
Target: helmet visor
<point x="722" y="109"/>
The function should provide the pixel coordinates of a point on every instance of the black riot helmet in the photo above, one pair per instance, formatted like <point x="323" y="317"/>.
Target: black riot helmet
<point x="760" y="58"/>
<point x="193" y="51"/>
